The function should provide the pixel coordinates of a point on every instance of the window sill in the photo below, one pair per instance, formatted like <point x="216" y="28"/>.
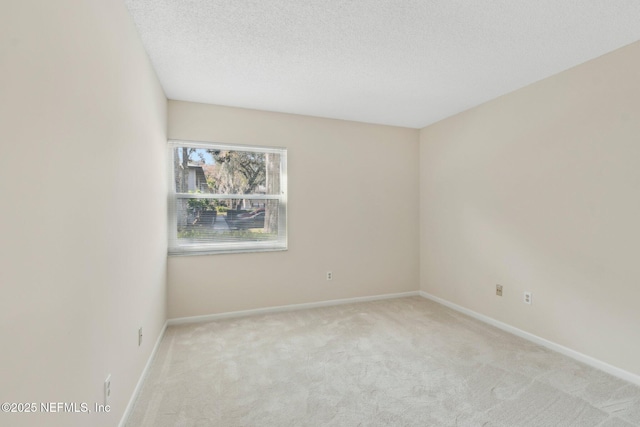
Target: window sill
<point x="225" y="252"/>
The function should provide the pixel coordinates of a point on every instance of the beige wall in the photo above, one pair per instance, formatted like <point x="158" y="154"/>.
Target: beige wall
<point x="539" y="191"/>
<point x="83" y="185"/>
<point x="353" y="209"/>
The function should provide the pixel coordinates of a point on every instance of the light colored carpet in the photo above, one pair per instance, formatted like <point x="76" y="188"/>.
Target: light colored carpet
<point x="400" y="362"/>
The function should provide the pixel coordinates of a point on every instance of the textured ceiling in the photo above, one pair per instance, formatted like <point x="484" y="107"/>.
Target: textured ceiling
<point x="401" y="62"/>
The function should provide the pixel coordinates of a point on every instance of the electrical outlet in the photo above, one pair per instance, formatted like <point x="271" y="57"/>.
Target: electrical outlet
<point x="329" y="275"/>
<point x="499" y="290"/>
<point x="107" y="390"/>
<point x="528" y="298"/>
<point x="139" y="337"/>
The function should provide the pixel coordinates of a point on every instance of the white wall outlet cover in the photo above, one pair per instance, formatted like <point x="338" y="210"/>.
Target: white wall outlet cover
<point x="107" y="389"/>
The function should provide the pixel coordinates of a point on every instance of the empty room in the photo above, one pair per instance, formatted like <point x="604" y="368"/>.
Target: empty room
<point x="319" y="213"/>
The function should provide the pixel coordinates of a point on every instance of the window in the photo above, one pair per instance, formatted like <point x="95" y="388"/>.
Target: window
<point x="226" y="198"/>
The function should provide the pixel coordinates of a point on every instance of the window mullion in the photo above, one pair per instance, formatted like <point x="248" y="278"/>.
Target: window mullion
<point x="229" y="196"/>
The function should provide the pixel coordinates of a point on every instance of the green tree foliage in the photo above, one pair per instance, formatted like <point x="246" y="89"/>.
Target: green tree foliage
<point x="237" y="172"/>
<point x="229" y="172"/>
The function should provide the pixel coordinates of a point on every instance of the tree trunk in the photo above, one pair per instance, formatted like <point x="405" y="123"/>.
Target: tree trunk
<point x="273" y="187"/>
<point x="182" y="185"/>
<point x="185" y="171"/>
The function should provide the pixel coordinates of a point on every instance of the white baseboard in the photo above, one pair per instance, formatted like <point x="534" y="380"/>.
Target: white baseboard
<point x="282" y="308"/>
<point x="143" y="376"/>
<point x="588" y="360"/>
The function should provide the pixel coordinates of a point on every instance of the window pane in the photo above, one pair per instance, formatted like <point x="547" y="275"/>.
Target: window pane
<point x="207" y="221"/>
<point x="213" y="170"/>
<point x="227" y="198"/>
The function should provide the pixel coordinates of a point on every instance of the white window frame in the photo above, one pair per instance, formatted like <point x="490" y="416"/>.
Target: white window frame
<point x="280" y="244"/>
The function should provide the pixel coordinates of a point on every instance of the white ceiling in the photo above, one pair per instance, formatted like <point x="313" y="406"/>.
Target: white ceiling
<point x="397" y="62"/>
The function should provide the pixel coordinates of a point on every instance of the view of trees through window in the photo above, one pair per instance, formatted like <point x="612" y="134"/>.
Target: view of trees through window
<point x="226" y="195"/>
